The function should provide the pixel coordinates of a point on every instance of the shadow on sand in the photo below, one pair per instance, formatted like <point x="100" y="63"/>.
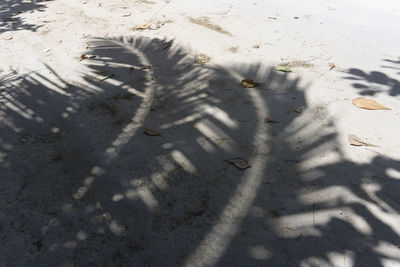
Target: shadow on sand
<point x="81" y="184"/>
<point x="9" y="14"/>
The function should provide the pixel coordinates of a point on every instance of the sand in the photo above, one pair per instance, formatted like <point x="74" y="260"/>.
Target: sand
<point x="82" y="184"/>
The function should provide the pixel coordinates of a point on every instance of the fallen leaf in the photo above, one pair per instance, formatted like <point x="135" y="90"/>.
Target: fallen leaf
<point x="126" y="14"/>
<point x="145" y="68"/>
<point x="202" y="59"/>
<point x="109" y="108"/>
<point x="248" y="83"/>
<point x="84" y="56"/>
<point x="269" y="120"/>
<point x="7" y="18"/>
<point x="38" y="245"/>
<point x="370" y="104"/>
<point x="151" y="131"/>
<point x="205" y="22"/>
<point x="131" y="69"/>
<point x="296" y="17"/>
<point x="122" y="96"/>
<point x="234" y="49"/>
<point x="356" y="141"/>
<point x="272" y="18"/>
<point x="156" y="25"/>
<point x="283" y="69"/>
<point x="167" y="45"/>
<point x="297" y="63"/>
<point x="240" y="163"/>
<point x="297" y="109"/>
<point x="142" y="27"/>
<point x="276" y="213"/>
<point x="331" y="65"/>
<point x="87" y="45"/>
<point x="8" y="38"/>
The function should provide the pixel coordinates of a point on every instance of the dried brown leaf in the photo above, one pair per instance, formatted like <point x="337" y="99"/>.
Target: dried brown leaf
<point x="145" y="68"/>
<point x="370" y="104"/>
<point x="131" y="69"/>
<point x="356" y="141"/>
<point x="83" y="56"/>
<point x="7" y="18"/>
<point x="296" y="64"/>
<point x="151" y="131"/>
<point x="205" y="22"/>
<point x="269" y="120"/>
<point x="142" y="27"/>
<point x="167" y="45"/>
<point x="298" y="109"/>
<point x="8" y="38"/>
<point x="331" y="65"/>
<point x="248" y="83"/>
<point x="202" y="59"/>
<point x="240" y="163"/>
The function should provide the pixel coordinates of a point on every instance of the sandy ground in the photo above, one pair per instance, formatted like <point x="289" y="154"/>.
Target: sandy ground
<point x="82" y="185"/>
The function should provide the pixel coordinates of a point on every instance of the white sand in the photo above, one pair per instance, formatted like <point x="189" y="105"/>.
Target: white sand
<point x="82" y="185"/>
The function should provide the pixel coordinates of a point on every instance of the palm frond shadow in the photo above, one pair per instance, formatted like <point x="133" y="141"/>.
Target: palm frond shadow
<point x="376" y="82"/>
<point x="9" y="14"/>
<point x="102" y="193"/>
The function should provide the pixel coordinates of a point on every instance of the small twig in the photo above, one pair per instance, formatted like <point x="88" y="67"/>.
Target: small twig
<point x="292" y="160"/>
<point x="381" y="178"/>
<point x="375" y="152"/>
<point x="108" y="77"/>
<point x="288" y="255"/>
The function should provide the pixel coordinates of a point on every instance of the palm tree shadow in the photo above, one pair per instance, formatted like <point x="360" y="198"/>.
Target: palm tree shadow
<point x="376" y="82"/>
<point x="101" y="192"/>
<point x="9" y="11"/>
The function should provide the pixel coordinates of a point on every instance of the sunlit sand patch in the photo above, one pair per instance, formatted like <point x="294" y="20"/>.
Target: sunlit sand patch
<point x="183" y="161"/>
<point x="218" y="239"/>
<point x="214" y="134"/>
